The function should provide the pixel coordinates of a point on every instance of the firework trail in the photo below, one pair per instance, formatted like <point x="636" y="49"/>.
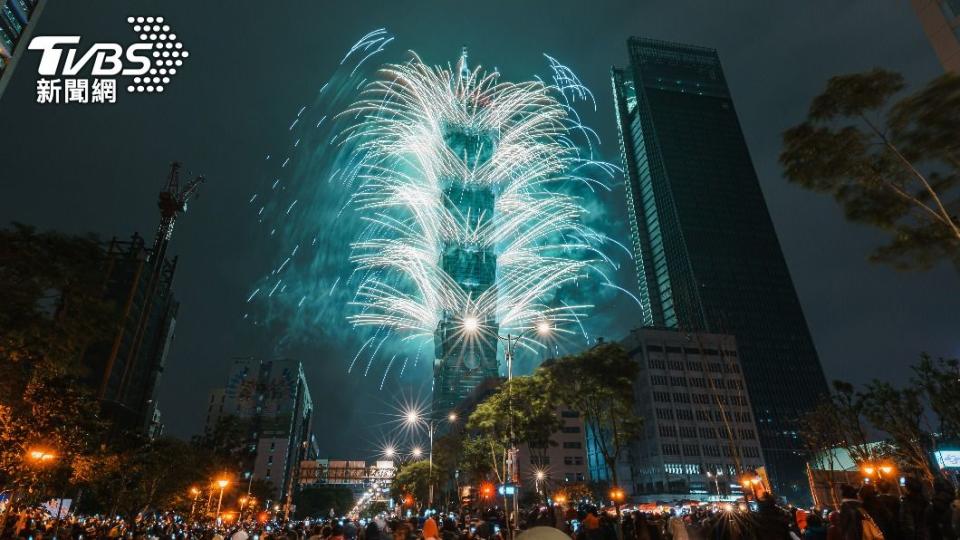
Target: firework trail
<point x="428" y="136"/>
<point x="358" y="207"/>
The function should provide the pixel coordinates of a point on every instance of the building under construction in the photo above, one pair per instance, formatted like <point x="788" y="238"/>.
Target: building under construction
<point x="126" y="369"/>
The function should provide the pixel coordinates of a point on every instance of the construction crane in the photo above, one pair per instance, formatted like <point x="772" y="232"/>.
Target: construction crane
<point x="172" y="202"/>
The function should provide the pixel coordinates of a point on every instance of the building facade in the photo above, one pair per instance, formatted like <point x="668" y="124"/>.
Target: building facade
<point x="126" y="369"/>
<point x="463" y="362"/>
<point x="564" y="462"/>
<point x="272" y="400"/>
<point x="707" y="256"/>
<point x="700" y="437"/>
<point x="941" y="23"/>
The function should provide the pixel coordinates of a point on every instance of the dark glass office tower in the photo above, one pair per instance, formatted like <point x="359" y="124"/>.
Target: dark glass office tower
<point x="707" y="255"/>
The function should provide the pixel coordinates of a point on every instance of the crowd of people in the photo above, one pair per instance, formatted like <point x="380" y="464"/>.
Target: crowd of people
<point x="881" y="511"/>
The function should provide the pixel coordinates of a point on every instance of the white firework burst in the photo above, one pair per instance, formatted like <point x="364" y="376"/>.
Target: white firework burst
<point x="404" y="166"/>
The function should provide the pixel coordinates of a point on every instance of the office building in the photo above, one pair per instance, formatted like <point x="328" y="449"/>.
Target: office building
<point x="707" y="256"/>
<point x="564" y="462"/>
<point x="17" y="21"/>
<point x="271" y="399"/>
<point x="462" y="364"/>
<point x="699" y="436"/>
<point x="125" y="369"/>
<point x="941" y="23"/>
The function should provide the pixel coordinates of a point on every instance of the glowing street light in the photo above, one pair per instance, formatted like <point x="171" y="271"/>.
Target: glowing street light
<point x="222" y="484"/>
<point x="452" y="417"/>
<point x="389" y="451"/>
<point x="196" y="495"/>
<point x="417" y="452"/>
<point x="40" y="455"/>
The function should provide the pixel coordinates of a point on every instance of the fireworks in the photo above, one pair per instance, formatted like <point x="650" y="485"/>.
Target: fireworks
<point x="378" y="191"/>
<point x="453" y="160"/>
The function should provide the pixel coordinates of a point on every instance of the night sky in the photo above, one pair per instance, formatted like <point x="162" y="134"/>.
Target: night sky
<point x="86" y="168"/>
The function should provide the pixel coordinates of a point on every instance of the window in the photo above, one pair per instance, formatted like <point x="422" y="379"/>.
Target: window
<point x="570" y="429"/>
<point x="569" y="414"/>
<point x="691" y="450"/>
<point x="670" y="449"/>
<point x="668" y="431"/>
<point x="575" y="444"/>
<point x="665" y="414"/>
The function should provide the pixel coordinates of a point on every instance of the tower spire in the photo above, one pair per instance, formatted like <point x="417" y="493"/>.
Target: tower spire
<point x="464" y="69"/>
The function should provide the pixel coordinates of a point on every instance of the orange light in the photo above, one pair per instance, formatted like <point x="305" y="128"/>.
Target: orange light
<point x="41" y="455"/>
<point x="887" y="469"/>
<point x="194" y="491"/>
<point x="868" y="470"/>
<point x="223" y="483"/>
<point x="486" y="490"/>
<point x="408" y="500"/>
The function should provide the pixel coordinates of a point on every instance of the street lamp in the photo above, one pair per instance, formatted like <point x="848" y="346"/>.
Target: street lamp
<point x="196" y="495"/>
<point x="222" y="484"/>
<point x="41" y="456"/>
<point x="543" y="327"/>
<point x="413" y="418"/>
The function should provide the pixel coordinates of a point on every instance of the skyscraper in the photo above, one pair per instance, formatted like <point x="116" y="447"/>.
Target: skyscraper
<point x="941" y="22"/>
<point x="463" y="361"/>
<point x="707" y="255"/>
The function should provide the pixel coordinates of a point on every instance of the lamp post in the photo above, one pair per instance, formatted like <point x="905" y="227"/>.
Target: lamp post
<point x="414" y="418"/>
<point x="222" y="484"/>
<point x="196" y="495"/>
<point x="471" y="325"/>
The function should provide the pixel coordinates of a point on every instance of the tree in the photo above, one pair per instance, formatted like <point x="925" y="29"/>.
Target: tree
<point x="940" y="382"/>
<point x="599" y="384"/>
<point x="899" y="412"/>
<point x="894" y="165"/>
<point x="522" y="410"/>
<point x="414" y="479"/>
<point x="51" y="310"/>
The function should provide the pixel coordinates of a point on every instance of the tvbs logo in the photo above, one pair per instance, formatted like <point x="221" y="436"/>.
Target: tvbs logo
<point x="69" y="74"/>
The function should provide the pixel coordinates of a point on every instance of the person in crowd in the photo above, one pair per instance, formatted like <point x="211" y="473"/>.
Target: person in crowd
<point x="851" y="514"/>
<point x="939" y="514"/>
<point x="815" y="528"/>
<point x="913" y="511"/>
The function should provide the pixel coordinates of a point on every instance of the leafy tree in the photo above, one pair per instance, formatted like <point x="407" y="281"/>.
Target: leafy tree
<point x="51" y="310"/>
<point x="891" y="164"/>
<point x="413" y="478"/>
<point x="522" y="410"/>
<point x="599" y="384"/>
